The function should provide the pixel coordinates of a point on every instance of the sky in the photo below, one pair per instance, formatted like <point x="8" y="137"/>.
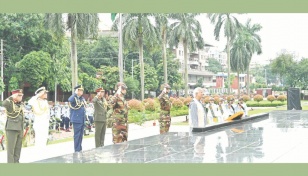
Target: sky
<point x="280" y="31"/>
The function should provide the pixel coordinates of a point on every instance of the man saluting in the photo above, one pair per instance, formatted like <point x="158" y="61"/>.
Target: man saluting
<point x="14" y="125"/>
<point x="77" y="115"/>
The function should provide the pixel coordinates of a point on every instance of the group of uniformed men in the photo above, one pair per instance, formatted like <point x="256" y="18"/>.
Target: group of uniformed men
<point x="116" y="106"/>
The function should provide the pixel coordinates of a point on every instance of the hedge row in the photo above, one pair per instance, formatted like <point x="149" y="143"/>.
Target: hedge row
<point x="265" y="104"/>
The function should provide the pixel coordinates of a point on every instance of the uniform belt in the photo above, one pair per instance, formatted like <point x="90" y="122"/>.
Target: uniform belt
<point x="119" y="115"/>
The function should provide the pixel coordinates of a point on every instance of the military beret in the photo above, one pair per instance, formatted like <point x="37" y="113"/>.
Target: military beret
<point x="40" y="89"/>
<point x="16" y="91"/>
<point x="78" y="87"/>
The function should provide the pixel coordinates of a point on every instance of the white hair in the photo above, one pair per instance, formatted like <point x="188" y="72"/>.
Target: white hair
<point x="196" y="90"/>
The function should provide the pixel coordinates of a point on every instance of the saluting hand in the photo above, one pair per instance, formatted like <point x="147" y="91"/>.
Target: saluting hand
<point x="165" y="90"/>
<point x="119" y="91"/>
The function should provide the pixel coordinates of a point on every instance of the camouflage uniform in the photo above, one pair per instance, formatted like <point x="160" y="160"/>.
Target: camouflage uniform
<point x="165" y="106"/>
<point x="109" y="113"/>
<point x="119" y="117"/>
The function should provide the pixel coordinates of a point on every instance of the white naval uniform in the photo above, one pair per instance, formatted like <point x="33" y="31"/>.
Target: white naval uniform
<point x="41" y="113"/>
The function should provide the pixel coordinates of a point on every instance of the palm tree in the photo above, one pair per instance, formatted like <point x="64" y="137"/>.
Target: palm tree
<point x="243" y="47"/>
<point x="161" y="20"/>
<point x="239" y="56"/>
<point x="255" y="45"/>
<point x="231" y="25"/>
<point x="80" y="25"/>
<point x="186" y="29"/>
<point x="136" y="28"/>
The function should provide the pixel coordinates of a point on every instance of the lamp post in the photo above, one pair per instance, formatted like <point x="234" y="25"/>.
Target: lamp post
<point x="128" y="55"/>
<point x="265" y="77"/>
<point x="1" y="52"/>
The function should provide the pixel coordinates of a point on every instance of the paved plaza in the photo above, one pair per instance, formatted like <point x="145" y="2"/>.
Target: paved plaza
<point x="281" y="137"/>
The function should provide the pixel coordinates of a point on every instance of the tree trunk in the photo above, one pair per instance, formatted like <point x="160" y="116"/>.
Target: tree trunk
<point x="185" y="68"/>
<point x="228" y="64"/>
<point x="141" y="67"/>
<point x="238" y="85"/>
<point x="74" y="56"/>
<point x="165" y="56"/>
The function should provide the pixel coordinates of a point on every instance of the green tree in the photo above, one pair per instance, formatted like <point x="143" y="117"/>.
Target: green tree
<point x="132" y="86"/>
<point x="110" y="76"/>
<point x="186" y="29"/>
<point x="150" y="74"/>
<point x="174" y="76"/>
<point x="254" y="45"/>
<point x="161" y="20"/>
<point x="137" y="27"/>
<point x="35" y="68"/>
<point x="22" y="34"/>
<point x="199" y="82"/>
<point x="239" y="56"/>
<point x="13" y="84"/>
<point x="282" y="64"/>
<point x="80" y="25"/>
<point x="90" y="83"/>
<point x="231" y="81"/>
<point x="230" y="25"/>
<point x="103" y="51"/>
<point x="85" y="67"/>
<point x="214" y="65"/>
<point x="2" y="85"/>
<point x="60" y="72"/>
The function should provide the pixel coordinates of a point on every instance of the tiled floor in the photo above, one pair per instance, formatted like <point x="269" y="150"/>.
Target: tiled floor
<point x="280" y="138"/>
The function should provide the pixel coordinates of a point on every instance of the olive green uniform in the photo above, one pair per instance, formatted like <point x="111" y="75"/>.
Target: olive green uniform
<point x="14" y="129"/>
<point x="100" y="109"/>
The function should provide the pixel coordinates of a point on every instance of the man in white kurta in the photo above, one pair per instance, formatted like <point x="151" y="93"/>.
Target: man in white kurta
<point x="241" y="106"/>
<point x="197" y="115"/>
<point x="231" y="108"/>
<point x="212" y="114"/>
<point x="222" y="111"/>
<point x="41" y="113"/>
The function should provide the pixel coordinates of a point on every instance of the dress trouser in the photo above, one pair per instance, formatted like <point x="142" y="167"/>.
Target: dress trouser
<point x="100" y="130"/>
<point x="14" y="143"/>
<point x="78" y="135"/>
<point x="41" y="129"/>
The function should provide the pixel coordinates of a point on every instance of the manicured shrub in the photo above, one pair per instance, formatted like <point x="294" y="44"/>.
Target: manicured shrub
<point x="149" y="104"/>
<point x="187" y="100"/>
<point x="245" y="98"/>
<point x="136" y="105"/>
<point x="282" y="98"/>
<point x="177" y="103"/>
<point x="258" y="98"/>
<point x="271" y="98"/>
